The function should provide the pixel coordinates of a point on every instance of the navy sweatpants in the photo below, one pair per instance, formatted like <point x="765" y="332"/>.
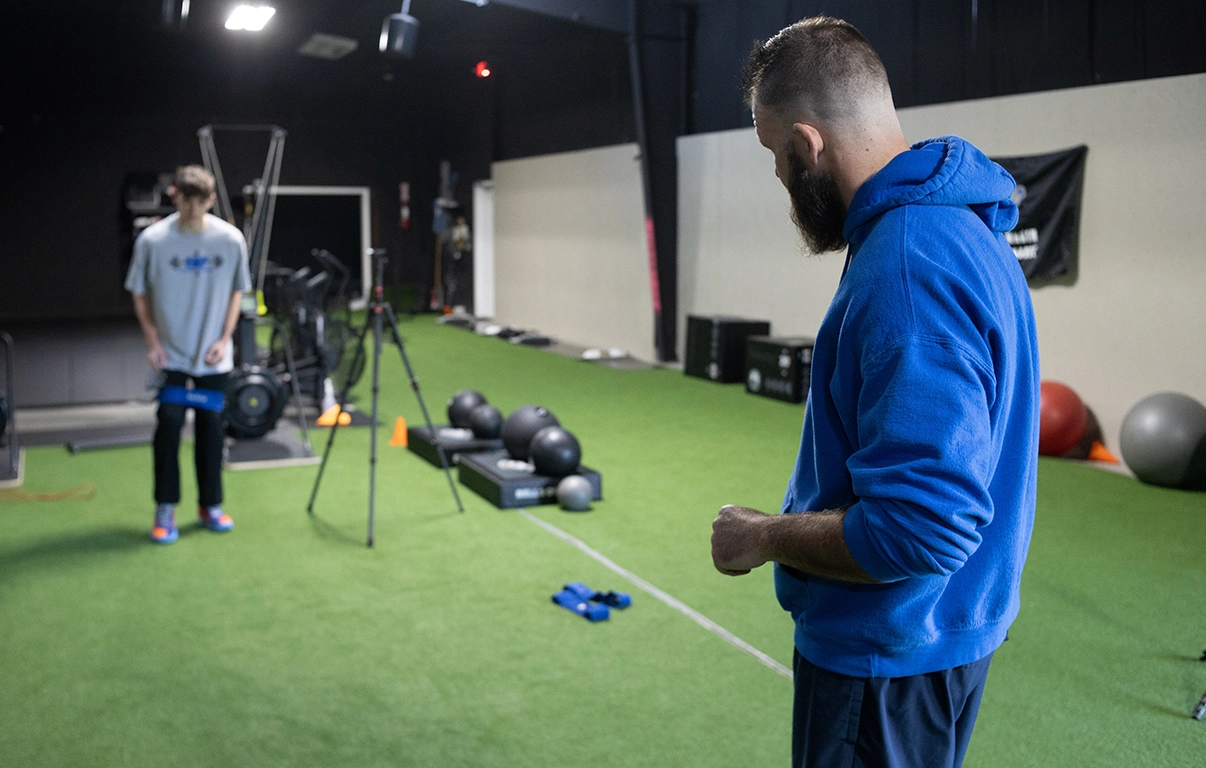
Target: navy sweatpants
<point x="924" y="721"/>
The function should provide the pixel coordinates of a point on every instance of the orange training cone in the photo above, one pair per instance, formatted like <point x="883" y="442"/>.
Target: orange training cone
<point x="400" y="436"/>
<point x="327" y="419"/>
<point x="1100" y="453"/>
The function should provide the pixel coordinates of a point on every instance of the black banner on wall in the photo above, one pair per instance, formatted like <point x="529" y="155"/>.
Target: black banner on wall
<point x="1046" y="238"/>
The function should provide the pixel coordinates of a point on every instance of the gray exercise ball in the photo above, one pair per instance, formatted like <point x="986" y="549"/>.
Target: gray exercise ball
<point x="575" y="493"/>
<point x="1163" y="440"/>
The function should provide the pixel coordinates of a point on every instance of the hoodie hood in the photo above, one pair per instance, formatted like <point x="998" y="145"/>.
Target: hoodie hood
<point x="942" y="171"/>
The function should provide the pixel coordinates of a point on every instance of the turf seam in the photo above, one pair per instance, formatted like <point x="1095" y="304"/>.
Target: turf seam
<point x="668" y="599"/>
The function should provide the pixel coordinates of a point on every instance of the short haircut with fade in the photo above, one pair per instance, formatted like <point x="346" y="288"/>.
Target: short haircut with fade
<point x="195" y="182"/>
<point x="821" y="64"/>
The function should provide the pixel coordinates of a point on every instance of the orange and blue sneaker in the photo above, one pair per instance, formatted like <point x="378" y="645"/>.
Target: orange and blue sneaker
<point x="165" y="531"/>
<point x="214" y="519"/>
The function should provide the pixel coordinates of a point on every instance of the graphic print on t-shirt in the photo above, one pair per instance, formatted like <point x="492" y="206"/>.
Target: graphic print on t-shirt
<point x="196" y="263"/>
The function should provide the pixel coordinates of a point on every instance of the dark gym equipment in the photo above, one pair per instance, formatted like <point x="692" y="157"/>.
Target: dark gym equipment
<point x="778" y="368"/>
<point x="486" y="422"/>
<point x="380" y="312"/>
<point x="1163" y="441"/>
<point x="522" y="425"/>
<point x="314" y="309"/>
<point x="255" y="399"/>
<point x="10" y="471"/>
<point x="716" y="346"/>
<point x="555" y="452"/>
<point x="574" y="493"/>
<point x="256" y="394"/>
<point x="453" y="441"/>
<point x="461" y="405"/>
<point x="508" y="483"/>
<point x="261" y="194"/>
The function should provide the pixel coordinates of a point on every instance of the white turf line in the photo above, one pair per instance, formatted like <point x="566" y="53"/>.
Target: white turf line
<point x="673" y="602"/>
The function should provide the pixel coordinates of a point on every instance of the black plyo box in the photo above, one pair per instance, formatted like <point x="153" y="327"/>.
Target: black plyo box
<point x="778" y="367"/>
<point x="421" y="443"/>
<point x="509" y="485"/>
<point x="716" y="346"/>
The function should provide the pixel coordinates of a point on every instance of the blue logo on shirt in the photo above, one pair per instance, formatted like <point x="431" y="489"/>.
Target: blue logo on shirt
<point x="196" y="264"/>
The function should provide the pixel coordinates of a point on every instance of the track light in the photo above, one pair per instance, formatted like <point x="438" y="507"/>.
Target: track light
<point x="400" y="33"/>
<point x="250" y="18"/>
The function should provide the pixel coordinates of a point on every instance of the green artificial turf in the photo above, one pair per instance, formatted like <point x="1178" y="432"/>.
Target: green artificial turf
<point x="288" y="642"/>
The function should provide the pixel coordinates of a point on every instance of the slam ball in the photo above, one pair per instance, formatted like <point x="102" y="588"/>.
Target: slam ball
<point x="522" y="425"/>
<point x="574" y="493"/>
<point x="461" y="405"/>
<point x="555" y="452"/>
<point x="486" y="422"/>
<point x="1063" y="419"/>
<point x="1163" y="440"/>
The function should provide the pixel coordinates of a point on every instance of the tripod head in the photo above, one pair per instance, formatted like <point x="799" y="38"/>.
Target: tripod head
<point x="379" y="259"/>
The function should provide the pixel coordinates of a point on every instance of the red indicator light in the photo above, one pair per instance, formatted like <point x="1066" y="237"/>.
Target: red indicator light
<point x="482" y="69"/>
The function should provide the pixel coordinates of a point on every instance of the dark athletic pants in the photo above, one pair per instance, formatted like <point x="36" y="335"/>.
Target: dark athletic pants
<point x="207" y="451"/>
<point x="924" y="721"/>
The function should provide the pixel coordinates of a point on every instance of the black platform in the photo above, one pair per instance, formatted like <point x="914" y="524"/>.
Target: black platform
<point x="716" y="346"/>
<point x="778" y="368"/>
<point x="514" y="484"/>
<point x="454" y="442"/>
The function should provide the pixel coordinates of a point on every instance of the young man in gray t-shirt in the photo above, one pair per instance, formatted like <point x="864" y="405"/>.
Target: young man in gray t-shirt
<point x="187" y="277"/>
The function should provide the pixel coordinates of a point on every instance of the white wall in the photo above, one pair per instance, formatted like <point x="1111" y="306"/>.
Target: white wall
<point x="570" y="257"/>
<point x="1134" y="322"/>
<point x="483" y="248"/>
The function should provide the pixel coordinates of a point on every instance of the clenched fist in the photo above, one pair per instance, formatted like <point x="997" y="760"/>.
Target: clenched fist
<point x="739" y="539"/>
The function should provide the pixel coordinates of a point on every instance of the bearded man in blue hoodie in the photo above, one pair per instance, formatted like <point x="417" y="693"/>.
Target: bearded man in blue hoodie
<point x="900" y="544"/>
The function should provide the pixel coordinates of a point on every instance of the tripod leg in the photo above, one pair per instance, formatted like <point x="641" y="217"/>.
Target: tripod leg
<point x="373" y="426"/>
<point x="343" y="401"/>
<point x="414" y="384"/>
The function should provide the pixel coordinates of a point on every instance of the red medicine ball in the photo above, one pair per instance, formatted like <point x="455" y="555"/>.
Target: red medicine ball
<point x="1063" y="419"/>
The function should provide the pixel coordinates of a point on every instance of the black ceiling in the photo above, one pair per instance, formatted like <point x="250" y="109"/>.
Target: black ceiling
<point x="119" y="55"/>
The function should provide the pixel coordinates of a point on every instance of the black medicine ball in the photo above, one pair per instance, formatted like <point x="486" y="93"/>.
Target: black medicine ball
<point x="486" y="421"/>
<point x="555" y="452"/>
<point x="461" y="405"/>
<point x="522" y="425"/>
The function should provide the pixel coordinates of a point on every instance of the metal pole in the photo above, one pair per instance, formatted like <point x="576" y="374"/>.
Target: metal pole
<point x="376" y="310"/>
<point x="638" y="114"/>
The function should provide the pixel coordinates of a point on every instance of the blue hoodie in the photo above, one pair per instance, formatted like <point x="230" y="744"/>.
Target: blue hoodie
<point x="922" y="419"/>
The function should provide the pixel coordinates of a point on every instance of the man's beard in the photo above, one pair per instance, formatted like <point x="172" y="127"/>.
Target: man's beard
<point x="816" y="207"/>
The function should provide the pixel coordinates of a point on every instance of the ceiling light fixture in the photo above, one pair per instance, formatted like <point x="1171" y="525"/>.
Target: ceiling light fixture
<point x="400" y="33"/>
<point x="250" y="18"/>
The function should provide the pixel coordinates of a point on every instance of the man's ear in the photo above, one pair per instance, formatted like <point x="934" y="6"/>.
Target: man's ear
<point x="809" y="144"/>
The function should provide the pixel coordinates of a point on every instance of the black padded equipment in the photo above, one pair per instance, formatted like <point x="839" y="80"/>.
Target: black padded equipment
<point x="255" y="398"/>
<point x="555" y="452"/>
<point x="522" y="425"/>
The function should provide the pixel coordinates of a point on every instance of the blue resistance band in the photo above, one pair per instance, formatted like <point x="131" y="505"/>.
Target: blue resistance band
<point x="204" y="399"/>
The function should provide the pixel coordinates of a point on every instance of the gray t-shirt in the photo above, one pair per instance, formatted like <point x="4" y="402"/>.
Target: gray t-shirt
<point x="190" y="278"/>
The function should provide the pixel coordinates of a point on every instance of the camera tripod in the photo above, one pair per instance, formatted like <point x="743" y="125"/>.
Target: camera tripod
<point x="379" y="312"/>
